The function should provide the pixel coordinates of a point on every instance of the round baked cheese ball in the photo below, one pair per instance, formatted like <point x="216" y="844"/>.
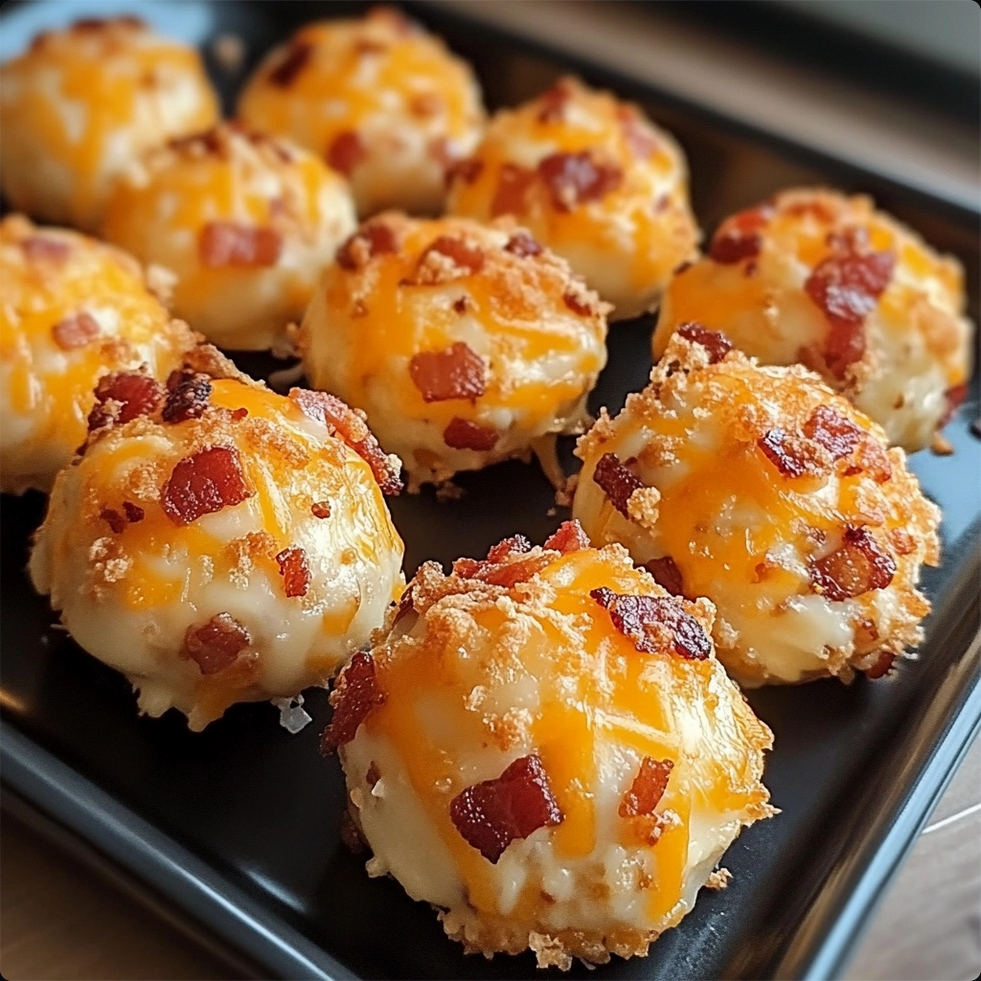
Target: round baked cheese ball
<point x="826" y="280"/>
<point x="82" y="103"/>
<point x="245" y="221"/>
<point x="593" y="179"/>
<point x="379" y="99"/>
<point x="465" y="344"/>
<point x="219" y="543"/>
<point x="544" y="747"/>
<point x="73" y="309"/>
<point x="763" y="490"/>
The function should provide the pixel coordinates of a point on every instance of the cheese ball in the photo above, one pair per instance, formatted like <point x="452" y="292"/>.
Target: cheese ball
<point x="826" y="280"/>
<point x="245" y="222"/>
<point x="544" y="746"/>
<point x="73" y="309"/>
<point x="82" y="103"/>
<point x="465" y="344"/>
<point x="763" y="490"/>
<point x="219" y="543"/>
<point x="593" y="179"/>
<point x="383" y="102"/>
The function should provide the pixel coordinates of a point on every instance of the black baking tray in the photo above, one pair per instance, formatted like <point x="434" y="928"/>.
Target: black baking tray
<point x="236" y="829"/>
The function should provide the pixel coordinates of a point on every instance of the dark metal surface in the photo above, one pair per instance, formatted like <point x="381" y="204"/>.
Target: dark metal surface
<point x="238" y="826"/>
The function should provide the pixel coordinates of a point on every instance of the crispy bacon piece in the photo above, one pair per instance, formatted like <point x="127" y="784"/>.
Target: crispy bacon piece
<point x="838" y="435"/>
<point x="789" y="453"/>
<point x="648" y="788"/>
<point x="902" y="541"/>
<point x="552" y="103"/>
<point x="715" y="342"/>
<point x="616" y="481"/>
<point x="133" y="512"/>
<point x="667" y="574"/>
<point x="496" y="569"/>
<point x="739" y="237"/>
<point x="522" y="244"/>
<point x="355" y="695"/>
<point x="846" y="287"/>
<point x="320" y="509"/>
<point x="371" y="239"/>
<point x="230" y="244"/>
<point x="881" y="666"/>
<point x="75" y="331"/>
<point x="575" y="178"/>
<point x="294" y="61"/>
<point x="346" y="151"/>
<point x="44" y="247"/>
<point x="858" y="566"/>
<point x="639" y="136"/>
<point x="513" y="184"/>
<point x="873" y="459"/>
<point x="295" y="570"/>
<point x="342" y="421"/>
<point x="456" y="373"/>
<point x="216" y="644"/>
<point x="491" y="814"/>
<point x="569" y="537"/>
<point x="114" y="519"/>
<point x="463" y="255"/>
<point x="515" y="545"/>
<point x="204" y="483"/>
<point x="468" y="169"/>
<point x="187" y="398"/>
<point x="465" y="434"/>
<point x="645" y="618"/>
<point x="122" y="396"/>
<point x="578" y="303"/>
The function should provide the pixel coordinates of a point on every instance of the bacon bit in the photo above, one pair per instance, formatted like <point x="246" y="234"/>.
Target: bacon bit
<point x="634" y="616"/>
<point x="881" y="666"/>
<point x="522" y="244"/>
<point x="462" y="254"/>
<point x="552" y="103"/>
<point x="858" y="566"/>
<point x="214" y="646"/>
<point x="456" y="373"/>
<point x="204" y="483"/>
<point x="229" y="244"/>
<point x="373" y="775"/>
<point x="75" y="331"/>
<point x="513" y="185"/>
<point x="846" y="287"/>
<point x="507" y="574"/>
<point x="114" y="519"/>
<point x="294" y="61"/>
<point x="739" y="237"/>
<point x="45" y="248"/>
<point x="715" y="342"/>
<point x="574" y="301"/>
<point x="122" y="396"/>
<point x="515" y="545"/>
<point x="667" y="574"/>
<point x="616" y="481"/>
<point x="648" y="788"/>
<point x="574" y="178"/>
<point x="355" y="695"/>
<point x="465" y="434"/>
<point x="467" y="170"/>
<point x="406" y="605"/>
<point x="295" y="570"/>
<point x="188" y="399"/>
<point x="874" y="460"/>
<point x="342" y="421"/>
<point x="347" y="151"/>
<point x="955" y="396"/>
<point x="902" y="541"/>
<point x="133" y="512"/>
<point x="569" y="537"/>
<point x="239" y="414"/>
<point x="491" y="814"/>
<point x="320" y="509"/>
<point x="838" y="435"/>
<point x="788" y="453"/>
<point x="371" y="239"/>
<point x="636" y="132"/>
